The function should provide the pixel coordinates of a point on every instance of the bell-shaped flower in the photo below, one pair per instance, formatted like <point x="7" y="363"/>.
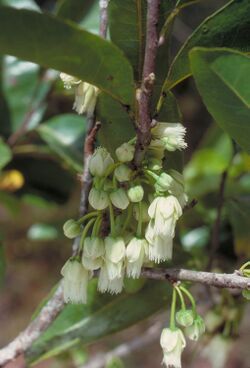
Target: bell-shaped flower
<point x="185" y="317"/>
<point x="160" y="249"/>
<point x="171" y="135"/>
<point x="135" y="252"/>
<point x="69" y="81"/>
<point x="98" y="199"/>
<point x="100" y="162"/>
<point x="113" y="286"/>
<point x="93" y="252"/>
<point x="125" y="153"/>
<point x="71" y="229"/>
<point x="172" y="342"/>
<point x="85" y="98"/>
<point x="75" y="282"/>
<point x="136" y="193"/>
<point x="119" y="198"/>
<point x="197" y="329"/>
<point x="114" y="256"/>
<point x="123" y="173"/>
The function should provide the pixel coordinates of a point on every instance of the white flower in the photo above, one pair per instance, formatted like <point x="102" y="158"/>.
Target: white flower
<point x="136" y="193"/>
<point x="98" y="199"/>
<point x="75" y="282"/>
<point x="100" y="162"/>
<point x="171" y="135"/>
<point x="119" y="198"/>
<point x="69" y="81"/>
<point x="114" y="256"/>
<point x="93" y="251"/>
<point x="85" y="98"/>
<point x="125" y="153"/>
<point x="135" y="252"/>
<point x="113" y="286"/>
<point x="172" y="342"/>
<point x="160" y="249"/>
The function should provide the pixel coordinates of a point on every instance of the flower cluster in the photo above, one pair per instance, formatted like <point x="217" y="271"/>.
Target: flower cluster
<point x="132" y="216"/>
<point x="191" y="324"/>
<point x="85" y="94"/>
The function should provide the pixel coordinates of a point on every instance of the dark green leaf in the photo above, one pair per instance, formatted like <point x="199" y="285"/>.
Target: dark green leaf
<point x="228" y="27"/>
<point x="74" y="9"/>
<point x="5" y="154"/>
<point x="64" y="134"/>
<point x="88" y="57"/>
<point x="223" y="78"/>
<point x="119" y="313"/>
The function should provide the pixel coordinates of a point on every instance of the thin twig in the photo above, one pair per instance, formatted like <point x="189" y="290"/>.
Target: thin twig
<point x="144" y="97"/>
<point x="103" y="4"/>
<point x="219" y="280"/>
<point x="125" y="349"/>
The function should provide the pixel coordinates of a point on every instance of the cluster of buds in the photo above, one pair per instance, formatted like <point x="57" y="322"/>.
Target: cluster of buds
<point x="190" y="324"/>
<point x="85" y="94"/>
<point x="132" y="216"/>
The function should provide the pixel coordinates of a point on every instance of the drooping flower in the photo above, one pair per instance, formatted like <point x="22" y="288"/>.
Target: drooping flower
<point x="98" y="199"/>
<point x="75" y="282"/>
<point x="69" y="81"/>
<point x="85" y="98"/>
<point x="160" y="249"/>
<point x="119" y="198"/>
<point x="125" y="153"/>
<point x="114" y="256"/>
<point x="171" y="135"/>
<point x="172" y="342"/>
<point x="197" y="329"/>
<point x="136" y="251"/>
<point x="100" y="162"/>
<point x="93" y="252"/>
<point x="113" y="286"/>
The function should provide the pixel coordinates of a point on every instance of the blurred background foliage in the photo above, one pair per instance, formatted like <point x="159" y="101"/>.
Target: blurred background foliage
<point x="41" y="146"/>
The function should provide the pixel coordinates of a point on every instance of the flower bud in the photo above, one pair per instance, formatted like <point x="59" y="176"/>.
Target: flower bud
<point x="100" y="162"/>
<point x="69" y="81"/>
<point x="71" y="229"/>
<point x="119" y="198"/>
<point x="98" y="199"/>
<point x="163" y="182"/>
<point x="123" y="173"/>
<point x="136" y="193"/>
<point x="197" y="329"/>
<point x="125" y="153"/>
<point x="185" y="317"/>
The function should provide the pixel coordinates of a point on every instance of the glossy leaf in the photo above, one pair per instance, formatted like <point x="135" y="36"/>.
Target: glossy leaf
<point x="74" y="9"/>
<point x="120" y="312"/>
<point x="223" y="78"/>
<point x="88" y="57"/>
<point x="227" y="27"/>
<point x="5" y="154"/>
<point x="65" y="134"/>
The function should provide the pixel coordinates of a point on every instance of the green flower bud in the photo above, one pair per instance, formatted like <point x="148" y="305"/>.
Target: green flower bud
<point x="246" y="294"/>
<point x="163" y="182"/>
<point x="154" y="164"/>
<point x="125" y="153"/>
<point x="98" y="199"/>
<point x="71" y="229"/>
<point x="123" y="173"/>
<point x="197" y="329"/>
<point x="136" y="193"/>
<point x="119" y="198"/>
<point x="185" y="317"/>
<point x="100" y="162"/>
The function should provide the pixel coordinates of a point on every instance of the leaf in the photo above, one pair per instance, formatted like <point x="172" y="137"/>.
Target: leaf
<point x="64" y="135"/>
<point x="74" y="9"/>
<point x="223" y="78"/>
<point x="88" y="57"/>
<point x="227" y="27"/>
<point x="5" y="154"/>
<point x="239" y="214"/>
<point x="127" y="30"/>
<point x="118" y="313"/>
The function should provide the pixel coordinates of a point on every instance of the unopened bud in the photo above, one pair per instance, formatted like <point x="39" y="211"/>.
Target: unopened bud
<point x="125" y="153"/>
<point x="123" y="173"/>
<point x="71" y="229"/>
<point x="119" y="199"/>
<point x="98" y="199"/>
<point x="185" y="317"/>
<point x="100" y="162"/>
<point x="136" y="193"/>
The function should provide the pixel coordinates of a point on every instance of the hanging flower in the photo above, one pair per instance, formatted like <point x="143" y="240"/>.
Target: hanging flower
<point x="119" y="198"/>
<point x="75" y="282"/>
<point x="85" y="98"/>
<point x="171" y="135"/>
<point x="136" y="193"/>
<point x="136" y="251"/>
<point x="93" y="252"/>
<point x="197" y="329"/>
<point x="69" y="81"/>
<point x="123" y="173"/>
<point x="172" y="342"/>
<point x="71" y="229"/>
<point x="98" y="199"/>
<point x="113" y="286"/>
<point x="100" y="162"/>
<point x="114" y="256"/>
